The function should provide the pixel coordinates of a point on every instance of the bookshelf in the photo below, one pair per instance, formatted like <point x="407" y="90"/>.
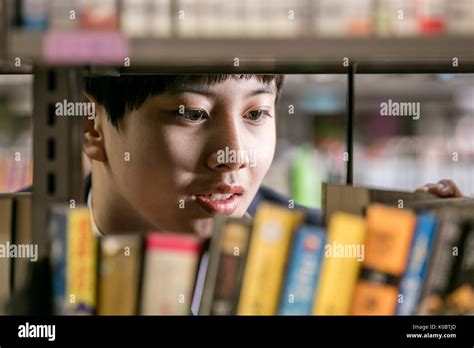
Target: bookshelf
<point x="302" y="55"/>
<point x="261" y="52"/>
<point x="56" y="142"/>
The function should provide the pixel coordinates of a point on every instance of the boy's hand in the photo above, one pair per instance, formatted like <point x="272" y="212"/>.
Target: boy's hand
<point x="444" y="188"/>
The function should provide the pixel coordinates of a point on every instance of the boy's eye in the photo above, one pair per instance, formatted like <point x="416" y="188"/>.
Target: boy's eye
<point x="191" y="115"/>
<point x="257" y="115"/>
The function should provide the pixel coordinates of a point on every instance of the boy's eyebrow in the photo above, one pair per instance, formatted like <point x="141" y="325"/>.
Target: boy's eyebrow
<point x="204" y="90"/>
<point x="262" y="90"/>
<point x="179" y="89"/>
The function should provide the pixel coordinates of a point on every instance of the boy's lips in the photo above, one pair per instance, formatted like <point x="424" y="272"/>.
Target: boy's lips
<point x="220" y="199"/>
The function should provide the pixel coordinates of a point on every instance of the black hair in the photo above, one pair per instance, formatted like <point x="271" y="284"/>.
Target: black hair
<point x="119" y="95"/>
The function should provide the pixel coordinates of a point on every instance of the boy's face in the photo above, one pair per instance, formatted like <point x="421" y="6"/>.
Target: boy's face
<point x="189" y="154"/>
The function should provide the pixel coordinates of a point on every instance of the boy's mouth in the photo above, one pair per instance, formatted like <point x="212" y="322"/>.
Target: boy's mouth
<point x="220" y="199"/>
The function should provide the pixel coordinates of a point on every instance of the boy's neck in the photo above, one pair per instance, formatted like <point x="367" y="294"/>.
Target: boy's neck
<point x="111" y="212"/>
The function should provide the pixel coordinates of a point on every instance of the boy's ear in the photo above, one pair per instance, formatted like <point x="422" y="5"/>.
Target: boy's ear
<point x="93" y="140"/>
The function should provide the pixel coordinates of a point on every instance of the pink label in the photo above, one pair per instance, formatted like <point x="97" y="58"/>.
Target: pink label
<point x="85" y="47"/>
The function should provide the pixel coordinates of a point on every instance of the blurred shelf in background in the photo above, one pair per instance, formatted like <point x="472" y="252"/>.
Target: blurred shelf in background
<point x="262" y="33"/>
<point x="307" y="51"/>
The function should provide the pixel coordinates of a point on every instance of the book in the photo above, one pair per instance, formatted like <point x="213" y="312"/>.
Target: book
<point x="58" y="226"/>
<point x="213" y="259"/>
<point x="360" y="22"/>
<point x="101" y="15"/>
<point x="442" y="261"/>
<point x="331" y="18"/>
<point x="303" y="271"/>
<point x="119" y="274"/>
<point x="389" y="236"/>
<point x="160" y="19"/>
<point x="200" y="283"/>
<point x="460" y="17"/>
<point x="23" y="240"/>
<point x="430" y="16"/>
<point x="273" y="231"/>
<point x="170" y="267"/>
<point x="354" y="199"/>
<point x="460" y="296"/>
<point x="133" y="18"/>
<point x="81" y="266"/>
<point x="343" y="256"/>
<point x="34" y="14"/>
<point x="442" y="291"/>
<point x="414" y="276"/>
<point x="6" y="224"/>
<point x="403" y="20"/>
<point x="63" y="15"/>
<point x="228" y="252"/>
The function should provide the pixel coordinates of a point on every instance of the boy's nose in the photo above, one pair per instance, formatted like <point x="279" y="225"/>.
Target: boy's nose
<point x="228" y="159"/>
<point x="229" y="152"/>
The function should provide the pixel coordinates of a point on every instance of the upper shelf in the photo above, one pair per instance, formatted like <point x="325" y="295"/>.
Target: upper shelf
<point x="268" y="53"/>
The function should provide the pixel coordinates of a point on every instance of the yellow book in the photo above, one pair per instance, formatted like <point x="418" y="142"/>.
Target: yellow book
<point x="119" y="271"/>
<point x="81" y="268"/>
<point x="343" y="256"/>
<point x="272" y="235"/>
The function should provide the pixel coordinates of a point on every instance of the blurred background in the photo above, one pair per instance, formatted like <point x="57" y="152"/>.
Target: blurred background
<point x="16" y="109"/>
<point x="247" y="18"/>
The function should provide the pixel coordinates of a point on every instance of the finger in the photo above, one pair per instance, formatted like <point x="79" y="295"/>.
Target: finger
<point x="442" y="190"/>
<point x="437" y="190"/>
<point x="453" y="188"/>
<point x="424" y="188"/>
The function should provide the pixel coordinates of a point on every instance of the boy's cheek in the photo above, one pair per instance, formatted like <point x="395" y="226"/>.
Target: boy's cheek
<point x="265" y="156"/>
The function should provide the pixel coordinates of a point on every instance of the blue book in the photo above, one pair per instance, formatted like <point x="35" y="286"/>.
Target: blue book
<point x="303" y="271"/>
<point x="412" y="281"/>
<point x="58" y="232"/>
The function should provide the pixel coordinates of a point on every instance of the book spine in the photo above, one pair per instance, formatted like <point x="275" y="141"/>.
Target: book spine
<point x="412" y="281"/>
<point x="339" y="269"/>
<point x="6" y="224"/>
<point x="214" y="255"/>
<point x="58" y="231"/>
<point x="166" y="256"/>
<point x="442" y="262"/>
<point x="460" y="299"/>
<point x="303" y="270"/>
<point x="22" y="235"/>
<point x="233" y="250"/>
<point x="272" y="235"/>
<point x="101" y="15"/>
<point x="34" y="14"/>
<point x="82" y="263"/>
<point x="389" y="236"/>
<point x="119" y="271"/>
<point x="430" y="15"/>
<point x="196" y="307"/>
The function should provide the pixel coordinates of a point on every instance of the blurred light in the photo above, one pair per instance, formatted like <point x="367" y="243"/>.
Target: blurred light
<point x="445" y="77"/>
<point x="323" y="100"/>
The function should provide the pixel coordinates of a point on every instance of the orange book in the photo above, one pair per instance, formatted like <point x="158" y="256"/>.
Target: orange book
<point x="389" y="235"/>
<point x="372" y="298"/>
